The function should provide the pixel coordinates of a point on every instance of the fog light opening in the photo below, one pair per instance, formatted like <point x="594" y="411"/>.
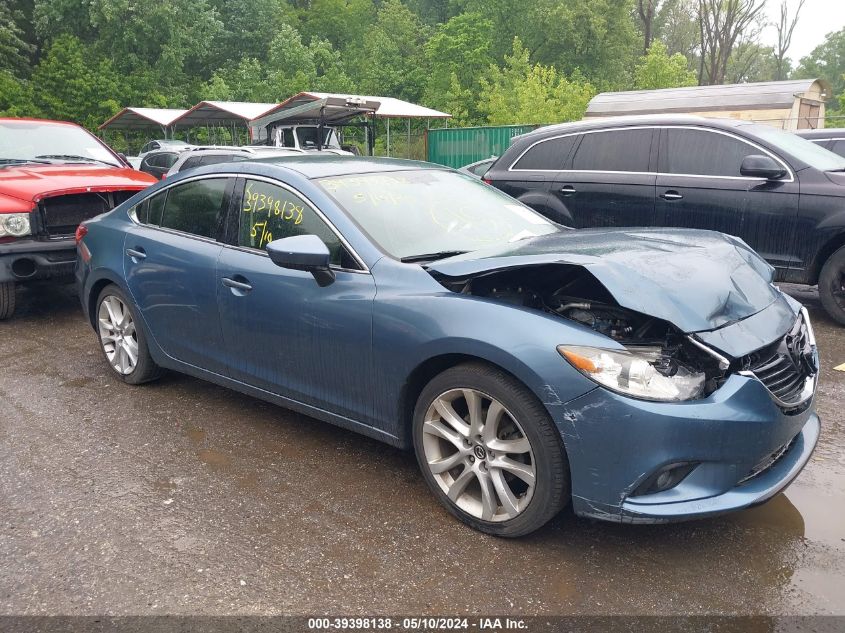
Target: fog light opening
<point x="23" y="268"/>
<point x="665" y="479"/>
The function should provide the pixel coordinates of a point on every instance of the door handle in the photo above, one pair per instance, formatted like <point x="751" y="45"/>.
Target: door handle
<point x="136" y="254"/>
<point x="671" y="195"/>
<point x="567" y="190"/>
<point x="236" y="285"/>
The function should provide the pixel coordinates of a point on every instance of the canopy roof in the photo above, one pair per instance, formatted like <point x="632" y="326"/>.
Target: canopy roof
<point x="751" y="96"/>
<point x="307" y="105"/>
<point x="139" y="118"/>
<point x="222" y="113"/>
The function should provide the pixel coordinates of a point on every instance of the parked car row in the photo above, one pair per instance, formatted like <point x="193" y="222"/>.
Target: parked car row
<point x="167" y="162"/>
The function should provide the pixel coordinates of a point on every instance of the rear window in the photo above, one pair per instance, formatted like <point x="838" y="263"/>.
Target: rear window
<point x="550" y="154"/>
<point x="614" y="150"/>
<point x="196" y="207"/>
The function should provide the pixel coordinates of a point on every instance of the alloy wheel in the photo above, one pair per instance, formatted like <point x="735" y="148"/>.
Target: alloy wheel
<point x="479" y="455"/>
<point x="118" y="335"/>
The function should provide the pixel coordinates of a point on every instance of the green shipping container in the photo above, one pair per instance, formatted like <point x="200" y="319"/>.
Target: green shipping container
<point x="459" y="146"/>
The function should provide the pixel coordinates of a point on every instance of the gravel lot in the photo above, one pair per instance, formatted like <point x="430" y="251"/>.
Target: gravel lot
<point x="180" y="497"/>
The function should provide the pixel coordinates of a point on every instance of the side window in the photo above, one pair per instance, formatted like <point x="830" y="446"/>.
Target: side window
<point x="269" y="212"/>
<point x="167" y="160"/>
<point x="702" y="153"/>
<point x="196" y="207"/>
<point x="287" y="138"/>
<point x="215" y="159"/>
<point x="149" y="211"/>
<point x="838" y="147"/>
<point x="551" y="154"/>
<point x="193" y="161"/>
<point x="614" y="150"/>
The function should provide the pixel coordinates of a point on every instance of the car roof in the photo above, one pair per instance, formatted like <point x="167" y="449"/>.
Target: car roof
<point x="633" y="120"/>
<point x="831" y="132"/>
<point x="334" y="165"/>
<point x="18" y="119"/>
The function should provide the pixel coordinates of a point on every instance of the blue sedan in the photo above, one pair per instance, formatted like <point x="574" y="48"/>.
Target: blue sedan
<point x="642" y="375"/>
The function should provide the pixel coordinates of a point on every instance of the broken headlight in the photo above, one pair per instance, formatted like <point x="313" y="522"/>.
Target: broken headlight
<point x="640" y="373"/>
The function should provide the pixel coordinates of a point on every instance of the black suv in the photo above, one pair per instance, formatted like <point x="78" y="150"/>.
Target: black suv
<point x="829" y="138"/>
<point x="783" y="195"/>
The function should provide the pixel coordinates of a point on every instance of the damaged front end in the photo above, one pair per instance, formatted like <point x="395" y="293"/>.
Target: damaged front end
<point x="707" y="377"/>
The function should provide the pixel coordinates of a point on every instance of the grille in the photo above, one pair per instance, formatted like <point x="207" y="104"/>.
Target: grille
<point x="784" y="368"/>
<point x="62" y="214"/>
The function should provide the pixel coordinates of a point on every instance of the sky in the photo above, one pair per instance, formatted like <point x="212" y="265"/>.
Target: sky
<point x="818" y="18"/>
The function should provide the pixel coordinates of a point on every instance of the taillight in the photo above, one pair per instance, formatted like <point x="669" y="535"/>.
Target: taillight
<point x="487" y="181"/>
<point x="163" y="176"/>
<point x="81" y="231"/>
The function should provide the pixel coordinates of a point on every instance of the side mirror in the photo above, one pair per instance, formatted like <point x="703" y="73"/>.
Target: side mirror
<point x="303" y="252"/>
<point x="761" y="166"/>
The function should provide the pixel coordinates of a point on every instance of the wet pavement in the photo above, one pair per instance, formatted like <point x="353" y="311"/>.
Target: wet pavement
<point x="181" y="497"/>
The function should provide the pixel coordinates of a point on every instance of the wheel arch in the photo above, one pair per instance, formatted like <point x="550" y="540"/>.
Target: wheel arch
<point x="94" y="294"/>
<point x="828" y="249"/>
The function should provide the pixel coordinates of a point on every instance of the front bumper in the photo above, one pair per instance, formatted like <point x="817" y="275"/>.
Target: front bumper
<point x="615" y="443"/>
<point x="26" y="260"/>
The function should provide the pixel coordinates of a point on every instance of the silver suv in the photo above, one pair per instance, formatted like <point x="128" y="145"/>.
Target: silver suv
<point x="211" y="155"/>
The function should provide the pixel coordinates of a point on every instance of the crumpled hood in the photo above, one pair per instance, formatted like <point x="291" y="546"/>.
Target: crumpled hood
<point x="34" y="182"/>
<point x="696" y="280"/>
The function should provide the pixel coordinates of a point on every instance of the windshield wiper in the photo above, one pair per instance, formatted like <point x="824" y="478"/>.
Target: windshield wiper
<point x="430" y="257"/>
<point x="21" y="161"/>
<point x="72" y="157"/>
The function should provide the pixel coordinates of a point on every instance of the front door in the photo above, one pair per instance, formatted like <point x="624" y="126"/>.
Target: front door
<point x="170" y="261"/>
<point x="700" y="186"/>
<point x="610" y="182"/>
<point x="283" y="332"/>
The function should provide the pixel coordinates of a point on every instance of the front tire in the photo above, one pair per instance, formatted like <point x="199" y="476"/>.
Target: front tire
<point x="7" y="300"/>
<point x="122" y="338"/>
<point x="832" y="286"/>
<point x="489" y="451"/>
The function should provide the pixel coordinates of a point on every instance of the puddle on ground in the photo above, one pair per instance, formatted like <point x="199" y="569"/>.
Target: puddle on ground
<point x="164" y="484"/>
<point x="248" y="481"/>
<point x="213" y="458"/>
<point x="195" y="434"/>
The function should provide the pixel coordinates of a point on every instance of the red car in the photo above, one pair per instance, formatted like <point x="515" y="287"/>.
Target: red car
<point x="53" y="175"/>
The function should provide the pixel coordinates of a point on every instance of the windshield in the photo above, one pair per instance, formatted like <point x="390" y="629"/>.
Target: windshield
<point x="426" y="211"/>
<point x="43" y="142"/>
<point x="308" y="138"/>
<point x="802" y="149"/>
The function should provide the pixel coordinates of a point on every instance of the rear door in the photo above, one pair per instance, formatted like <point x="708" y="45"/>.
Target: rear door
<point x="170" y="265"/>
<point x="610" y="181"/>
<point x="699" y="185"/>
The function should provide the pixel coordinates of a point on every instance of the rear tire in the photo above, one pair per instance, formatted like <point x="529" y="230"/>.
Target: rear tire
<point x="489" y="451"/>
<point x="832" y="286"/>
<point x="122" y="338"/>
<point x="7" y="300"/>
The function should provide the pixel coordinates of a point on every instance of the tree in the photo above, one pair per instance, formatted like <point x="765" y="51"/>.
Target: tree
<point x="15" y="96"/>
<point x="677" y="27"/>
<point x="73" y="85"/>
<point x="391" y="59"/>
<point x="828" y="62"/>
<point x="647" y="10"/>
<point x="721" y="23"/>
<point x="521" y="92"/>
<point x="457" y="55"/>
<point x="752" y="62"/>
<point x="341" y="22"/>
<point x="15" y="51"/>
<point x="785" y="26"/>
<point x="658" y="69"/>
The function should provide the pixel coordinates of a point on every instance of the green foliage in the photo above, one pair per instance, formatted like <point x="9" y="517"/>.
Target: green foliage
<point x="341" y="22"/>
<point x="457" y="55"/>
<point x="390" y="59"/>
<point x="827" y="61"/>
<point x="15" y="96"/>
<point x="15" y="51"/>
<point x="658" y="69"/>
<point x="525" y="93"/>
<point x="72" y="88"/>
